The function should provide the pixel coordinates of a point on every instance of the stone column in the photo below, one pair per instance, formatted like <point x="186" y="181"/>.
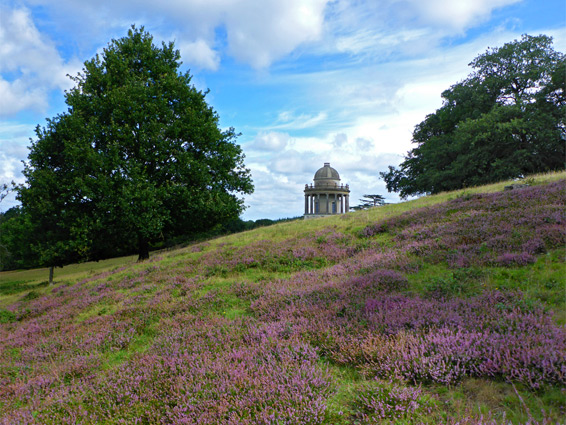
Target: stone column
<point x="306" y="204"/>
<point x="327" y="202"/>
<point x="347" y="203"/>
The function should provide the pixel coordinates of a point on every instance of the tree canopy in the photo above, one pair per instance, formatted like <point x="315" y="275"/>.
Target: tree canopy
<point x="137" y="156"/>
<point x="369" y="201"/>
<point x="506" y="120"/>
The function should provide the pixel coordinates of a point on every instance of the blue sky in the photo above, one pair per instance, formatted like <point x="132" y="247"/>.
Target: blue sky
<point x="304" y="81"/>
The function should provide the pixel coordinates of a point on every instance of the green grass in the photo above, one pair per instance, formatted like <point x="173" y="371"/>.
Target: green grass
<point x="97" y="310"/>
<point x="17" y="281"/>
<point x="501" y="399"/>
<point x="139" y="345"/>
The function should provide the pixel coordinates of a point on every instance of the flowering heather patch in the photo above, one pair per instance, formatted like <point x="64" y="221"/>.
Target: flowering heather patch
<point x="504" y="227"/>
<point x="421" y="340"/>
<point x="316" y="250"/>
<point x="379" y="280"/>
<point x="379" y="403"/>
<point x="512" y="259"/>
<point x="205" y="372"/>
<point x="445" y="340"/>
<point x="236" y="335"/>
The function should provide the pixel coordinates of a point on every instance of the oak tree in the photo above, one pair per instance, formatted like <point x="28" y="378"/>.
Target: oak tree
<point x="138" y="155"/>
<point x="507" y="119"/>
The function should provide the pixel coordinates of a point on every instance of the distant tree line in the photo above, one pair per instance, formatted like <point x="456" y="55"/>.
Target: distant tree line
<point x="17" y="253"/>
<point x="506" y="120"/>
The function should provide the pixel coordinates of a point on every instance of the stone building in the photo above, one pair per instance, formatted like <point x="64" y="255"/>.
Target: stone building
<point x="326" y="196"/>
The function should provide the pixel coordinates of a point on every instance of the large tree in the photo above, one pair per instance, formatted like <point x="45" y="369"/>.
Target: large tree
<point x="504" y="121"/>
<point x="138" y="156"/>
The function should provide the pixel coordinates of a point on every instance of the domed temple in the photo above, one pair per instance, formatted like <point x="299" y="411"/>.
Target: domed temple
<point x="327" y="196"/>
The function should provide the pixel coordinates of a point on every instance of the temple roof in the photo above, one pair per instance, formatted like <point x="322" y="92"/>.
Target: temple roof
<point x="326" y="173"/>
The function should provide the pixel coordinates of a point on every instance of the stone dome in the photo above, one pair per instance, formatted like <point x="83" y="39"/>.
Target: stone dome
<point x="326" y="196"/>
<point x="326" y="174"/>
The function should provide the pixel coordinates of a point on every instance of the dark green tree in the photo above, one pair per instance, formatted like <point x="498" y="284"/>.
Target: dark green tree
<point x="372" y="200"/>
<point x="369" y="201"/>
<point x="504" y="121"/>
<point x="15" y="236"/>
<point x="137" y="157"/>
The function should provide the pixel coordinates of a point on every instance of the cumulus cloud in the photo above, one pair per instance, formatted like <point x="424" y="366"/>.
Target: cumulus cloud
<point x="339" y="139"/>
<point x="261" y="32"/>
<point x="17" y="95"/>
<point x="13" y="148"/>
<point x="199" y="53"/>
<point x="257" y="33"/>
<point x="278" y="196"/>
<point x="270" y="141"/>
<point x="30" y="64"/>
<point x="293" y="163"/>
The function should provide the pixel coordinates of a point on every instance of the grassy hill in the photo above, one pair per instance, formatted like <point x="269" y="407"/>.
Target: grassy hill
<point x="446" y="309"/>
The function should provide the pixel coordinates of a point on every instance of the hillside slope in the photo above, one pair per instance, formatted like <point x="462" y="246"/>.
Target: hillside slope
<point x="447" y="313"/>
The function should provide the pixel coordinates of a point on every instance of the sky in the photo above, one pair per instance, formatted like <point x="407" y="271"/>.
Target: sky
<point x="304" y="81"/>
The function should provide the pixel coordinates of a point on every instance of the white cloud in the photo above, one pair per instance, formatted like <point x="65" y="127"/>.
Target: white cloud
<point x="376" y="31"/>
<point x="257" y="33"/>
<point x="292" y="163"/>
<point x="339" y="139"/>
<point x="17" y="95"/>
<point x="288" y="119"/>
<point x="199" y="53"/>
<point x="455" y="14"/>
<point x="262" y="32"/>
<point x="30" y="64"/>
<point x="13" y="148"/>
<point x="270" y="141"/>
<point x="277" y="196"/>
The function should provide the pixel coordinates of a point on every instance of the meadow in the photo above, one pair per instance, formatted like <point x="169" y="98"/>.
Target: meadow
<point x="446" y="309"/>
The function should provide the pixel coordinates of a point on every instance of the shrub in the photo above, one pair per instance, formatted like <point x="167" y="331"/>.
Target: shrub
<point x="513" y="259"/>
<point x="7" y="316"/>
<point x="378" y="280"/>
<point x="389" y="402"/>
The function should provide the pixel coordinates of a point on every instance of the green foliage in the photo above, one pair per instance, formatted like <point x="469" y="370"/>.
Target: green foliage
<point x="504" y="121"/>
<point x="369" y="201"/>
<point x="15" y="235"/>
<point x="7" y="316"/>
<point x="138" y="157"/>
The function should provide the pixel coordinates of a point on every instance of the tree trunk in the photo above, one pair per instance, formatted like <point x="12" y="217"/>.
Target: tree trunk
<point x="51" y="275"/>
<point x="143" y="249"/>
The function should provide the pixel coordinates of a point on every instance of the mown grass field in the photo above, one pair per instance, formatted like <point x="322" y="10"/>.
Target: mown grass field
<point x="444" y="309"/>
